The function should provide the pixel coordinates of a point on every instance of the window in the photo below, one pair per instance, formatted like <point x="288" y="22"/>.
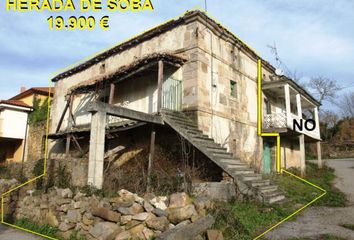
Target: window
<point x="233" y="88"/>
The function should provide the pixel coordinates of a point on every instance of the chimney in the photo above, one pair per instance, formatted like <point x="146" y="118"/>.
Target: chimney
<point x="22" y="89"/>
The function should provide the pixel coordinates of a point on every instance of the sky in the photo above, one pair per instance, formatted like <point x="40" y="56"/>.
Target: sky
<point x="313" y="37"/>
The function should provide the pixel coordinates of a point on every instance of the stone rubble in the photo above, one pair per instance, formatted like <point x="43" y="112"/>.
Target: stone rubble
<point x="124" y="217"/>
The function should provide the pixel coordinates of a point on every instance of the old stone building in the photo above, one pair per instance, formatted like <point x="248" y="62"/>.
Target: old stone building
<point x="192" y="75"/>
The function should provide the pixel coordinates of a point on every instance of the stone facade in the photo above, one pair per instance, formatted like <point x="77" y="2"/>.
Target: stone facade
<point x="219" y="85"/>
<point x="35" y="141"/>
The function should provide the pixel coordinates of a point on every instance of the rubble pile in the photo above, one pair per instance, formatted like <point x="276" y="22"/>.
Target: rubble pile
<point x="126" y="216"/>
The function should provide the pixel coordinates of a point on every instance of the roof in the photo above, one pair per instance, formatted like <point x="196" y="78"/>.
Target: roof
<point x="128" y="70"/>
<point x="35" y="90"/>
<point x="186" y="18"/>
<point x="15" y="103"/>
<point x="301" y="90"/>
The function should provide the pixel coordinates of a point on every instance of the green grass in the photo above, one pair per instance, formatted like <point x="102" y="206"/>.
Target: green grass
<point x="246" y="220"/>
<point x="348" y="226"/>
<point x="45" y="229"/>
<point x="300" y="192"/>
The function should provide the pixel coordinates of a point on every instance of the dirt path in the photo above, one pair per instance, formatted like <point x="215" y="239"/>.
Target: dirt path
<point x="7" y="233"/>
<point x="316" y="221"/>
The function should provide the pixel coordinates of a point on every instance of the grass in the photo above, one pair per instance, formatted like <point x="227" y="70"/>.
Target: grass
<point x="300" y="192"/>
<point x="246" y="220"/>
<point x="348" y="226"/>
<point x="45" y="229"/>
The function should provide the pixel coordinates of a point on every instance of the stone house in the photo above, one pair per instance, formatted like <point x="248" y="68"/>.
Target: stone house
<point x="192" y="75"/>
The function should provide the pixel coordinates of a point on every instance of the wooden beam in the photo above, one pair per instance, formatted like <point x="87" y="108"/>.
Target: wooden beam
<point x="71" y="99"/>
<point x="151" y="158"/>
<point x="67" y="150"/>
<point x="159" y="86"/>
<point x="62" y="116"/>
<point x="77" y="144"/>
<point x="124" y="113"/>
<point x="111" y="93"/>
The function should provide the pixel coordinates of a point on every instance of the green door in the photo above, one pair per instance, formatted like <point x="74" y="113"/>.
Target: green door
<point x="266" y="158"/>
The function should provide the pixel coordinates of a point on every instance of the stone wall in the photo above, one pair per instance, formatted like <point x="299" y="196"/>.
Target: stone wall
<point x="126" y="216"/>
<point x="35" y="141"/>
<point x="75" y="168"/>
<point x="9" y="202"/>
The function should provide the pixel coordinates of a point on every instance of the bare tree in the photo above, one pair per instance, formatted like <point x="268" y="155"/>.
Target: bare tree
<point x="329" y="119"/>
<point x="346" y="105"/>
<point x="294" y="75"/>
<point x="325" y="88"/>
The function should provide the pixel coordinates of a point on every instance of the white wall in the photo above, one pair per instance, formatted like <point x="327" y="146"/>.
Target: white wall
<point x="13" y="123"/>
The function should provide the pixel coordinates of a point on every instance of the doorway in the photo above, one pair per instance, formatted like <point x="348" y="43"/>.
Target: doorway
<point x="267" y="158"/>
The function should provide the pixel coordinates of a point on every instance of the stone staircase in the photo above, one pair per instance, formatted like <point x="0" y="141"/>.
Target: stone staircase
<point x="246" y="179"/>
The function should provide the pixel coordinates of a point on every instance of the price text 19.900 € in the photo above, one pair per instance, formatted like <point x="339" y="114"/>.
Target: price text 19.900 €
<point x="73" y="23"/>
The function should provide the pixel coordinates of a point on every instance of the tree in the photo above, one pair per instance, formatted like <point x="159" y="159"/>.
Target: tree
<point x="328" y="124"/>
<point x="346" y="105"/>
<point x="325" y="88"/>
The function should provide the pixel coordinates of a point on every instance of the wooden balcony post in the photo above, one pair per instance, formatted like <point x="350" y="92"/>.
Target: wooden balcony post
<point x="151" y="159"/>
<point x="317" y="121"/>
<point x="111" y="93"/>
<point x="287" y="104"/>
<point x="159" y="85"/>
<point x="298" y="105"/>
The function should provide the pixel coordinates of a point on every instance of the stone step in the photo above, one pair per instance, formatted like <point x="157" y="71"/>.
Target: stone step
<point x="183" y="122"/>
<point x="188" y="128"/>
<point x="203" y="139"/>
<point x="216" y="150"/>
<point x="217" y="146"/>
<point x="251" y="177"/>
<point x="265" y="189"/>
<point x="206" y="144"/>
<point x="273" y="197"/>
<point x="172" y="113"/>
<point x="222" y="155"/>
<point x="231" y="161"/>
<point x="233" y="167"/>
<point x="259" y="183"/>
<point x="194" y="132"/>
<point x="243" y="171"/>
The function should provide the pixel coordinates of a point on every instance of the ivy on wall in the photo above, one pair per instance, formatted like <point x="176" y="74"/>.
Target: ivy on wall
<point x="40" y="111"/>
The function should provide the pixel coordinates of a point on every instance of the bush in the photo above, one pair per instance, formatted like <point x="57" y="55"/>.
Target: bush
<point x="63" y="176"/>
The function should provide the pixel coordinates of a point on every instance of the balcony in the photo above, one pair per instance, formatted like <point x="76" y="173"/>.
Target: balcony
<point x="286" y="103"/>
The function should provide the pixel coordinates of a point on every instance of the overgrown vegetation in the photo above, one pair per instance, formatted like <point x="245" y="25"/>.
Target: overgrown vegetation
<point x="30" y="225"/>
<point x="248" y="219"/>
<point x="63" y="176"/>
<point x="13" y="170"/>
<point x="301" y="192"/>
<point x="40" y="111"/>
<point x="37" y="171"/>
<point x="348" y="226"/>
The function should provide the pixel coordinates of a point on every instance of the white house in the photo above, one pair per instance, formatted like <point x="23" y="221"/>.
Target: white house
<point x="13" y="130"/>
